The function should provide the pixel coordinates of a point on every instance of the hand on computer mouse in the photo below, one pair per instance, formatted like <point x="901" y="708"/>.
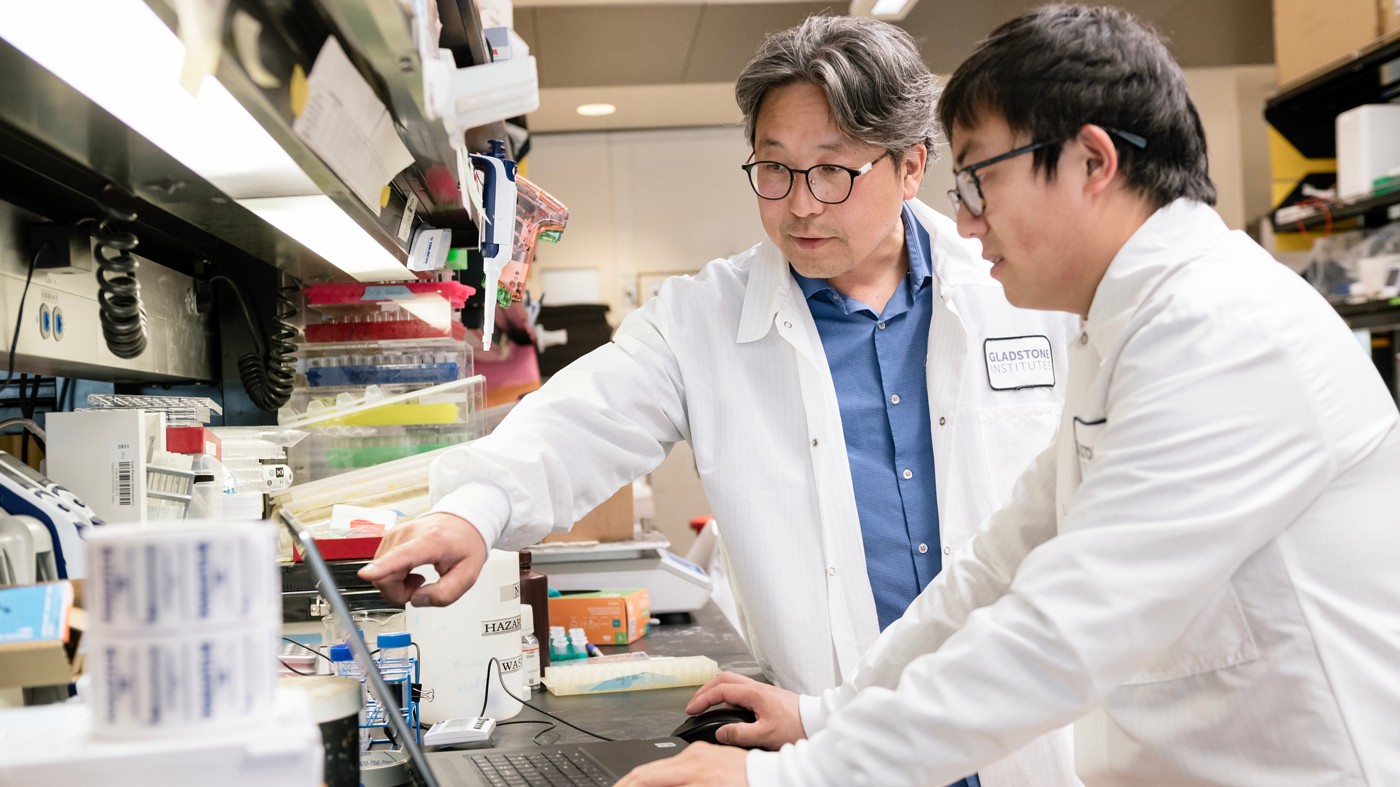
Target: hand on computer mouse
<point x="777" y="718"/>
<point x="704" y="726"/>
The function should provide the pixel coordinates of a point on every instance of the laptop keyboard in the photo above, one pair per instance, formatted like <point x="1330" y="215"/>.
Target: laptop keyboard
<point x="551" y="768"/>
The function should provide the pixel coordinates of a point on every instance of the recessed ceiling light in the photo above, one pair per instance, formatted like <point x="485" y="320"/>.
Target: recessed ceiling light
<point x="596" y="110"/>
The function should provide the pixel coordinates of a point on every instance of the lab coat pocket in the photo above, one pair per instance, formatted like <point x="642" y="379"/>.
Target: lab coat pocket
<point x="1219" y="637"/>
<point x="1086" y="439"/>
<point x="1011" y="438"/>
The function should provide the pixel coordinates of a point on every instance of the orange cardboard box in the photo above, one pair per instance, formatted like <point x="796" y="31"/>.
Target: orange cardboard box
<point x="608" y="617"/>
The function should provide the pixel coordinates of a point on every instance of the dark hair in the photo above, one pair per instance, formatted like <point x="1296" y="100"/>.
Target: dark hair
<point x="880" y="91"/>
<point x="1051" y="71"/>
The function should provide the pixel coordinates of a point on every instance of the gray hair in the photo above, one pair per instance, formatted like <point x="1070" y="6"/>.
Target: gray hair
<point x="880" y="91"/>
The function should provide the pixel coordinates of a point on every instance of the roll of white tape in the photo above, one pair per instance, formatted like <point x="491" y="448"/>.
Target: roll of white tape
<point x="175" y="685"/>
<point x="182" y="576"/>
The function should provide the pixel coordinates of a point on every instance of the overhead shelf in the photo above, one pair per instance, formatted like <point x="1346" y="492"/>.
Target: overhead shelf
<point x="1304" y="111"/>
<point x="58" y="148"/>
<point x="377" y="37"/>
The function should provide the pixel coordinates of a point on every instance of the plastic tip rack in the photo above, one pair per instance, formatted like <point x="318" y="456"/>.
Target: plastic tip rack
<point x="596" y="676"/>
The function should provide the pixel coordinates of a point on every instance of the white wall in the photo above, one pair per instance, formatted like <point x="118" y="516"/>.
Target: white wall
<point x="644" y="202"/>
<point x="1231" y="103"/>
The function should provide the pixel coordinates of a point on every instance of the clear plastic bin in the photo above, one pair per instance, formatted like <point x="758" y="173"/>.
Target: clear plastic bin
<point x="328" y="369"/>
<point x="372" y="428"/>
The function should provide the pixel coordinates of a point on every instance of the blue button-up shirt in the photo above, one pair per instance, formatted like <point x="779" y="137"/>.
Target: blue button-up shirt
<point x="877" y="364"/>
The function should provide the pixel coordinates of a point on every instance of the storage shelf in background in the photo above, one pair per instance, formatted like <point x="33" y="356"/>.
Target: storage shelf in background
<point x="1372" y="210"/>
<point x="1371" y="314"/>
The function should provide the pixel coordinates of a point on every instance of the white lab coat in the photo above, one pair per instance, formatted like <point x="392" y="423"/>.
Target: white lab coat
<point x="730" y="360"/>
<point x="1202" y="571"/>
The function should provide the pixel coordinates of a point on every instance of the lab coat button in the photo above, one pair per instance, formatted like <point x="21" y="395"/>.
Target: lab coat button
<point x="947" y="550"/>
<point x="787" y="325"/>
<point x="814" y="442"/>
<point x="894" y="398"/>
<point x="923" y="549"/>
<point x="1083" y="338"/>
<point x="831" y="571"/>
<point x="908" y="474"/>
<point x="942" y="421"/>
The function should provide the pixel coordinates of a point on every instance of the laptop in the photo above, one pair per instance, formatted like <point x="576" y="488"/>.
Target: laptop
<point x="592" y="764"/>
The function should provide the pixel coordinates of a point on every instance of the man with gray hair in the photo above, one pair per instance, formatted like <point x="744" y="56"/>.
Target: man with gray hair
<point x="856" y="388"/>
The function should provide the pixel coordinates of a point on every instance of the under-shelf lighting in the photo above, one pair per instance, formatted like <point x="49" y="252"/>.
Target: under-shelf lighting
<point x="120" y="55"/>
<point x="596" y="110"/>
<point x="320" y="225"/>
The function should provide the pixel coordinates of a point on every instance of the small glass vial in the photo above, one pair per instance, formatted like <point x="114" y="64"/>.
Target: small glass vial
<point x="529" y="650"/>
<point x="343" y="662"/>
<point x="395" y="663"/>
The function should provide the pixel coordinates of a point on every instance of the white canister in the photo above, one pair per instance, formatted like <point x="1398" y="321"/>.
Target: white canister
<point x="457" y="643"/>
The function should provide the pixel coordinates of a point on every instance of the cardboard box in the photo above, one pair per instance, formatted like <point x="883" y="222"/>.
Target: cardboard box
<point x="608" y="617"/>
<point x="39" y="630"/>
<point x="610" y="521"/>
<point x="1309" y="35"/>
<point x="1390" y="16"/>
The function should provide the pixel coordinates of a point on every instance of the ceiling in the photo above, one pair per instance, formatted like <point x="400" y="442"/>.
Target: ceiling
<point x="665" y="63"/>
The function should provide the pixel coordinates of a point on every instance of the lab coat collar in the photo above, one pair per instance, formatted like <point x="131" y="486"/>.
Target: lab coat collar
<point x="956" y="263"/>
<point x="1169" y="239"/>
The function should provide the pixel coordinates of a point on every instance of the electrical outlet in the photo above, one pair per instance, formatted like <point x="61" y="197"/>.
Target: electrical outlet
<point x="62" y="248"/>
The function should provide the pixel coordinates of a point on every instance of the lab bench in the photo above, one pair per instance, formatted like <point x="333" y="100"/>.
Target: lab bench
<point x="629" y="714"/>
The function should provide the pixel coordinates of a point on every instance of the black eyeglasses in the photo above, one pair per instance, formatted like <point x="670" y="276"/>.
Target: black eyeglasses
<point x="967" y="191"/>
<point x="829" y="183"/>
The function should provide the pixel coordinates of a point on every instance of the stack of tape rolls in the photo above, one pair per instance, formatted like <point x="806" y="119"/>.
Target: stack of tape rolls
<point x="185" y="624"/>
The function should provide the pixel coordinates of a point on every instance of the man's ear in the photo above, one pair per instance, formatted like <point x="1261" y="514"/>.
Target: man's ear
<point x="912" y="170"/>
<point x="1100" y="158"/>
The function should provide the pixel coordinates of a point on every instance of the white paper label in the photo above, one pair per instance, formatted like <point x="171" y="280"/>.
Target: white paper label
<point x="1019" y="362"/>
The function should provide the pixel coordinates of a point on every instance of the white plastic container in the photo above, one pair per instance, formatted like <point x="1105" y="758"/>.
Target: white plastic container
<point x="1366" y="147"/>
<point x="458" y="641"/>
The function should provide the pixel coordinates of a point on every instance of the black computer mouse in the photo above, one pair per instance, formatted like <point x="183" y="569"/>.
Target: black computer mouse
<point x="703" y="725"/>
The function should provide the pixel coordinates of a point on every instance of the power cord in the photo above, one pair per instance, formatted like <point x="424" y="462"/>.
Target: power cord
<point x="268" y="374"/>
<point x="486" y="695"/>
<point x="548" y="727"/>
<point x="119" y="306"/>
<point x="19" y="316"/>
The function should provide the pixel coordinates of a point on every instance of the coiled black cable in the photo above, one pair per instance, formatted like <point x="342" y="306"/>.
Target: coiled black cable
<point x="119" y="305"/>
<point x="268" y="375"/>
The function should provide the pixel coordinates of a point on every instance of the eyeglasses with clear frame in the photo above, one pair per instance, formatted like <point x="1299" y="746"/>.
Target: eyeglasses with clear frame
<point x="831" y="184"/>
<point x="967" y="190"/>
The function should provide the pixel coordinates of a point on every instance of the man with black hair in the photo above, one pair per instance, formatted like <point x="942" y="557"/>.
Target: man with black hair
<point x="1200" y="574"/>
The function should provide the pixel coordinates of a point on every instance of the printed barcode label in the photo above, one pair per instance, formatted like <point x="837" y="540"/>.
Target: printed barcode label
<point x="124" y="483"/>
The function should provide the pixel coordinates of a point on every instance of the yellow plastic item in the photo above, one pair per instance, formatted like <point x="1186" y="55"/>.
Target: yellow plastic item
<point x="400" y="415"/>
